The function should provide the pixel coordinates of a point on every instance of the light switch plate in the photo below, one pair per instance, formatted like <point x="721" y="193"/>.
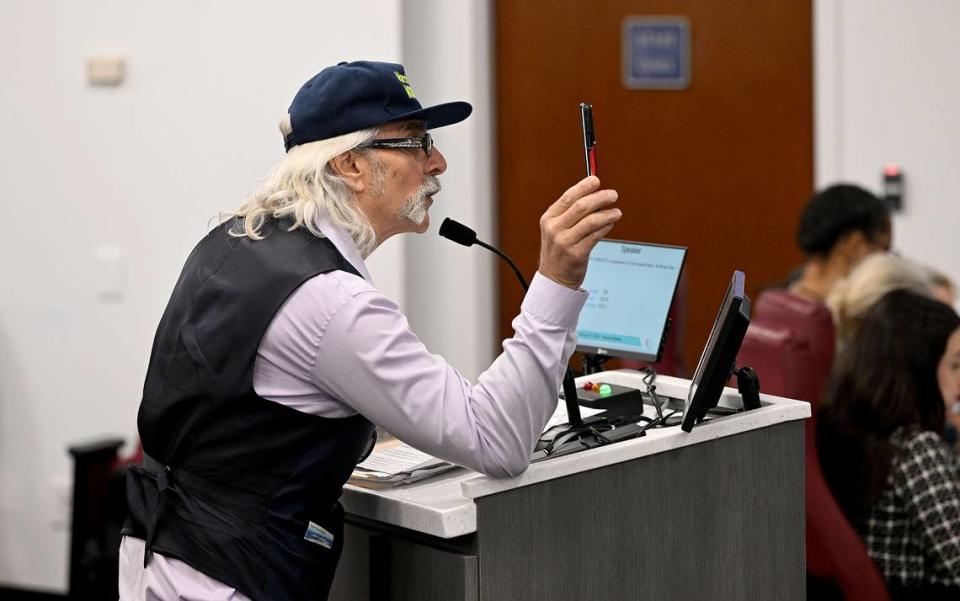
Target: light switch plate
<point x="106" y="69"/>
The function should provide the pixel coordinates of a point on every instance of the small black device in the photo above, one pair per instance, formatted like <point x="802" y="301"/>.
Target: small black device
<point x="589" y="138"/>
<point x="716" y="363"/>
<point x="611" y="397"/>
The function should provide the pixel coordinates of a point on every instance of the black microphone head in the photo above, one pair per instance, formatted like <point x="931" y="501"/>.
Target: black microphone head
<point x="456" y="231"/>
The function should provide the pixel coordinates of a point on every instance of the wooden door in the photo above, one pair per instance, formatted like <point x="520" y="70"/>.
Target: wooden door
<point x="723" y="167"/>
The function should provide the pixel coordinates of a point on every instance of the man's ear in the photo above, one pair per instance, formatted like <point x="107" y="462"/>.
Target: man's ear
<point x="350" y="166"/>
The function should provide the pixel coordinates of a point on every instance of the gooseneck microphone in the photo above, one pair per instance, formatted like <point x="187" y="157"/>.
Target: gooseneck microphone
<point x="461" y="234"/>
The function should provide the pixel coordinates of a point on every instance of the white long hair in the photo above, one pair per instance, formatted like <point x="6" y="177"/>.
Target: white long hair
<point x="302" y="184"/>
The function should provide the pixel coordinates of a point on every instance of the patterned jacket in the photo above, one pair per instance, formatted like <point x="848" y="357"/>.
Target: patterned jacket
<point x="912" y="530"/>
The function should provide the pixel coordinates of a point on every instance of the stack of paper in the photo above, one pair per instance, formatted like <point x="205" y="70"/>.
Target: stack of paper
<point x="395" y="463"/>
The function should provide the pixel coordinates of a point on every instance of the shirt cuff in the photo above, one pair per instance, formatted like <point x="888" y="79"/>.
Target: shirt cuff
<point x="554" y="303"/>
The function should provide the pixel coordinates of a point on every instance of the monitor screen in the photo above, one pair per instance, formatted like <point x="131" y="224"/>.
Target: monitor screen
<point x="716" y="362"/>
<point x="631" y="286"/>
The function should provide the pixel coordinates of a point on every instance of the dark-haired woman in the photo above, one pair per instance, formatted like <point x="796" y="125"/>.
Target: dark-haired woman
<point x="839" y="227"/>
<point x="882" y="448"/>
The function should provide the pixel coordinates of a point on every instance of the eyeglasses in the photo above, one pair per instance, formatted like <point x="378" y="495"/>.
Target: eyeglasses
<point x="425" y="142"/>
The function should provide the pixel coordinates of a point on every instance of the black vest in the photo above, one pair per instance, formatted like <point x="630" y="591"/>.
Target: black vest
<point x="237" y="481"/>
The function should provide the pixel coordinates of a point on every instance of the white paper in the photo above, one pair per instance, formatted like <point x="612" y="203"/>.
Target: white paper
<point x="396" y="459"/>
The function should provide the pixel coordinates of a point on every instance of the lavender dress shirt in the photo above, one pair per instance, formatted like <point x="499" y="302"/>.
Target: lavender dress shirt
<point x="338" y="347"/>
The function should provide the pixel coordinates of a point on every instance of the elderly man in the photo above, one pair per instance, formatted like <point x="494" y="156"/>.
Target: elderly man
<point x="276" y="355"/>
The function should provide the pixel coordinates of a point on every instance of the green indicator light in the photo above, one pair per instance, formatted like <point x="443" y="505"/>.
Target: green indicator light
<point x="605" y="390"/>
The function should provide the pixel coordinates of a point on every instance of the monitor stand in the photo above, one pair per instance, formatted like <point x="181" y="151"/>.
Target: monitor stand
<point x="593" y="363"/>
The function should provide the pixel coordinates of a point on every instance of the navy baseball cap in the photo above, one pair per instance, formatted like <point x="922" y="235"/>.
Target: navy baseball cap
<point x="352" y="96"/>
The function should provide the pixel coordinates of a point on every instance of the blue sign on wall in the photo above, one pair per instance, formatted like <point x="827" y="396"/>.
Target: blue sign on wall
<point x="656" y="53"/>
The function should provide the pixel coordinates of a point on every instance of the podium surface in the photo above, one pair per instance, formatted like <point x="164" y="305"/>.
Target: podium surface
<point x="716" y="513"/>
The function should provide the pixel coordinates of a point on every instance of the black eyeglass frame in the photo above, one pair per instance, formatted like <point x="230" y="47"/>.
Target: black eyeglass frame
<point x="424" y="142"/>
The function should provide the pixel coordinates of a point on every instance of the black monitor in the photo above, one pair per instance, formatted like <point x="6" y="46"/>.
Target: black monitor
<point x="631" y="286"/>
<point x="717" y="360"/>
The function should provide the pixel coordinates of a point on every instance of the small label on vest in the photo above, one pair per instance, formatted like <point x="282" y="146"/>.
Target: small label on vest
<point x="319" y="535"/>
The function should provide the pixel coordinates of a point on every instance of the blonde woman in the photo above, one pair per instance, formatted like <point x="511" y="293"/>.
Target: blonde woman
<point x="876" y="275"/>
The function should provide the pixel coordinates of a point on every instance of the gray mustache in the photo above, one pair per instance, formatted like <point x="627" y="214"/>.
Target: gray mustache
<point x="429" y="187"/>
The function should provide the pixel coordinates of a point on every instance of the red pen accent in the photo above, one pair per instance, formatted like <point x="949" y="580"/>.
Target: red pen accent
<point x="592" y="154"/>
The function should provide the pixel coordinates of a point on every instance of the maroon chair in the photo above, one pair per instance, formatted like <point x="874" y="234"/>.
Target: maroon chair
<point x="779" y="358"/>
<point x="809" y="320"/>
<point x="835" y="552"/>
<point x="836" y="557"/>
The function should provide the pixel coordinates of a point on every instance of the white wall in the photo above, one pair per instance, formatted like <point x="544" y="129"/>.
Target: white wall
<point x="144" y="167"/>
<point x="887" y="91"/>
<point x="450" y="293"/>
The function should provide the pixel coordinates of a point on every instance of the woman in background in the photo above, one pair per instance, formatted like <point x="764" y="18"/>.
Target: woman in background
<point x="875" y="276"/>
<point x="851" y="298"/>
<point x="839" y="227"/>
<point x="882" y="447"/>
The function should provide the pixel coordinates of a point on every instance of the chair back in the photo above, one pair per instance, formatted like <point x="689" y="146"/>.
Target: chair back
<point x="810" y="321"/>
<point x="781" y="360"/>
<point x="835" y="554"/>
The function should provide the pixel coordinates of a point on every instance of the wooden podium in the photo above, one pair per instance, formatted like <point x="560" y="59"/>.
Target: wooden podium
<point x="714" y="514"/>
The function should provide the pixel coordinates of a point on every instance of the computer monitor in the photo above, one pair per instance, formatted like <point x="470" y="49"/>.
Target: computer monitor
<point x="631" y="286"/>
<point x="717" y="360"/>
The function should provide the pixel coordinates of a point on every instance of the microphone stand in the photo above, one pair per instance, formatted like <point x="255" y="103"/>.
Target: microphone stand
<point x="513" y="266"/>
